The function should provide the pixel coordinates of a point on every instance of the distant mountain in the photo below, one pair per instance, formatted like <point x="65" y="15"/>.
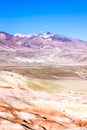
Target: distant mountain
<point x="41" y="49"/>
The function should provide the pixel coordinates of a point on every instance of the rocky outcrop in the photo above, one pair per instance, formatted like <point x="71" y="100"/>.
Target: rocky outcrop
<point x="24" y="109"/>
<point x="28" y="109"/>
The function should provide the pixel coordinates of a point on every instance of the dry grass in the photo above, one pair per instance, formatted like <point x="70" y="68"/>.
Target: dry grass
<point x="49" y="72"/>
<point x="70" y="80"/>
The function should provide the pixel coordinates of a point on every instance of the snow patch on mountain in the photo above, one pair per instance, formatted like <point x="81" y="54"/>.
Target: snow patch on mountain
<point x="23" y="35"/>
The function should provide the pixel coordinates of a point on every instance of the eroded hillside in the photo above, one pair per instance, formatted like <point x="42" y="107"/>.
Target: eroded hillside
<point x="30" y="103"/>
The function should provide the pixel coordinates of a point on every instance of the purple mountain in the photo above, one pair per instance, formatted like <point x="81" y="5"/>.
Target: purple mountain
<point x="41" y="49"/>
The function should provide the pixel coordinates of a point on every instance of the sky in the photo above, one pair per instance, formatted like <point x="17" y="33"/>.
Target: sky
<point x="64" y="17"/>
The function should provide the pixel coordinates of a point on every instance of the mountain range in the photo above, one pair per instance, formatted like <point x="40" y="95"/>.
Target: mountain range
<point x="41" y="49"/>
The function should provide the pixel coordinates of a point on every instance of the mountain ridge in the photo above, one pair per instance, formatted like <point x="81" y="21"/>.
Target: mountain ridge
<point x="45" y="49"/>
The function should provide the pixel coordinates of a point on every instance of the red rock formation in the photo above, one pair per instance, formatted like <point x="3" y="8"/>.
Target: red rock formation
<point x="31" y="110"/>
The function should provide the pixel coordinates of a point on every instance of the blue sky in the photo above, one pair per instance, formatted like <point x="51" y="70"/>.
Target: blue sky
<point x="65" y="17"/>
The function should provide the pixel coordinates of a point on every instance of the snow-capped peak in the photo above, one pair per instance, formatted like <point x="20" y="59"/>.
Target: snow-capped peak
<point x="23" y="35"/>
<point x="46" y="35"/>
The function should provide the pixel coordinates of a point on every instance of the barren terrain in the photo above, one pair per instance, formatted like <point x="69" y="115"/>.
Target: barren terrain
<point x="43" y="98"/>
